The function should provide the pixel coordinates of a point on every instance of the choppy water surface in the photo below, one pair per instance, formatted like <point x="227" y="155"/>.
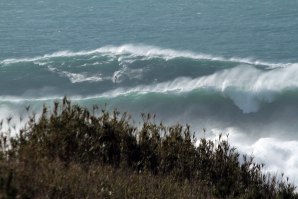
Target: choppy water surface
<point x="228" y="67"/>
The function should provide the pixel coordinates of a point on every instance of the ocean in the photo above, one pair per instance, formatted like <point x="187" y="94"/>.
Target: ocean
<point x="228" y="66"/>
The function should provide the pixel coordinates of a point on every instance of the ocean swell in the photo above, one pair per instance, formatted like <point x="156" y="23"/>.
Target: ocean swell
<point x="145" y="52"/>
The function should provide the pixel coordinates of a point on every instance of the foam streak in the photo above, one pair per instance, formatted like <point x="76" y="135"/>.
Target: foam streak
<point x="148" y="52"/>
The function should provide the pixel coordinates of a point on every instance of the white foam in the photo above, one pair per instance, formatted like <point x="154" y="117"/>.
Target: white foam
<point x="78" y="77"/>
<point x="22" y="99"/>
<point x="127" y="73"/>
<point x="247" y="86"/>
<point x="132" y="51"/>
<point x="279" y="156"/>
<point x="58" y="54"/>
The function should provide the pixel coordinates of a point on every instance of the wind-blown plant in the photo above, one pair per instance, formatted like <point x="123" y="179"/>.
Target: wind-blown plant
<point x="72" y="152"/>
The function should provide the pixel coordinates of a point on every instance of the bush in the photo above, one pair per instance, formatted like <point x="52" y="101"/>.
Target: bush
<point x="71" y="152"/>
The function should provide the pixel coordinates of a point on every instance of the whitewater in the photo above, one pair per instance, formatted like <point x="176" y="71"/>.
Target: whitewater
<point x="228" y="68"/>
<point x="223" y="95"/>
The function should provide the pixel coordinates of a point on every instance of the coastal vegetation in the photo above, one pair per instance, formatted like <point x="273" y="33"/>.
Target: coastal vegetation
<point x="74" y="152"/>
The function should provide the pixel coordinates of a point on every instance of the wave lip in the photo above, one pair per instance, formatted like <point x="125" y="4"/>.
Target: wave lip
<point x="246" y="86"/>
<point x="147" y="52"/>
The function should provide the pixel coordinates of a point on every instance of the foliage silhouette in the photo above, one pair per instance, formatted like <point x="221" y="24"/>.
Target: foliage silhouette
<point x="71" y="152"/>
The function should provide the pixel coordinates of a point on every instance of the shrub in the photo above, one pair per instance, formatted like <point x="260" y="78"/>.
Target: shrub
<point x="71" y="152"/>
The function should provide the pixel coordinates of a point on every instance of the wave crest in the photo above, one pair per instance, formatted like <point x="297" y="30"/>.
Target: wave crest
<point x="131" y="51"/>
<point x="247" y="86"/>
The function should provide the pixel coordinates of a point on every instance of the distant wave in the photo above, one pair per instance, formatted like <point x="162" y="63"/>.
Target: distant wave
<point x="147" y="52"/>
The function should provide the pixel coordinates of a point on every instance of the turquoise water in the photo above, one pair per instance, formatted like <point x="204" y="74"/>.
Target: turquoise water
<point x="226" y="66"/>
<point x="264" y="30"/>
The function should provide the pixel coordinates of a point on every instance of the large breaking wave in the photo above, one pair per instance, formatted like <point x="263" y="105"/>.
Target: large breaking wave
<point x="112" y="71"/>
<point x="253" y="100"/>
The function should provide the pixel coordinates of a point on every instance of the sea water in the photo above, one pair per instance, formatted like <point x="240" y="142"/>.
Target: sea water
<point x="226" y="66"/>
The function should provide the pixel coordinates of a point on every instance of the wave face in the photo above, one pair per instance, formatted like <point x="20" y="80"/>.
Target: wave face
<point x="113" y="71"/>
<point x="250" y="99"/>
